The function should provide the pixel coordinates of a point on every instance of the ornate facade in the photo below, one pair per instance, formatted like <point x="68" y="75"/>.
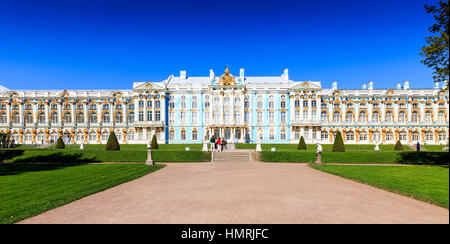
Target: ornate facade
<point x="242" y="109"/>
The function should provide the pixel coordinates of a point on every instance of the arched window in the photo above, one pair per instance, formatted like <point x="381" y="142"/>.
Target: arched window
<point x="131" y="117"/>
<point x="389" y="136"/>
<point x="402" y="136"/>
<point x="388" y="117"/>
<point x="28" y="137"/>
<point x="171" y="135"/>
<point x="283" y="134"/>
<point x="119" y="117"/>
<point x="93" y="118"/>
<point x="428" y="116"/>
<point x="271" y="134"/>
<point x="323" y="116"/>
<point x="415" y="136"/>
<point x="324" y="135"/>
<point x="363" y="136"/>
<point x="441" y="116"/>
<point x="350" y="136"/>
<point x="67" y="118"/>
<point x="183" y="135"/>
<point x="79" y="137"/>
<point x="53" y="137"/>
<point x="15" y="137"/>
<point x="429" y="136"/>
<point x="106" y="117"/>
<point x="92" y="136"/>
<point x="401" y="116"/>
<point x="349" y="117"/>
<point x="28" y="118"/>
<point x="80" y="118"/>
<point x="41" y="118"/>
<point x="415" y="117"/>
<point x="54" y="118"/>
<point x="194" y="135"/>
<point x="442" y="136"/>
<point x="130" y="136"/>
<point x="362" y="117"/>
<point x="336" y="116"/>
<point x="16" y="118"/>
<point x="40" y="137"/>
<point x="105" y="136"/>
<point x="3" y="118"/>
<point x="375" y="117"/>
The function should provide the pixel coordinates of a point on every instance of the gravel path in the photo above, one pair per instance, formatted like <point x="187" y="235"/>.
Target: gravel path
<point x="243" y="193"/>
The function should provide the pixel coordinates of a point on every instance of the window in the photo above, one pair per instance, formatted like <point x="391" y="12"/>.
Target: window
<point x="323" y="116"/>
<point x="3" y="118"/>
<point x="237" y="116"/>
<point x="172" y="135"/>
<point x="80" y="106"/>
<point x="324" y="135"/>
<point x="28" y="118"/>
<point x="80" y="118"/>
<point x="376" y="136"/>
<point x="283" y="134"/>
<point x="141" y="116"/>
<point x="401" y="116"/>
<point x="79" y="137"/>
<point x="41" y="107"/>
<point x="92" y="107"/>
<point x="402" y="105"/>
<point x="415" y="105"/>
<point x="297" y="115"/>
<point x="350" y="136"/>
<point x="428" y="116"/>
<point x="106" y="118"/>
<point x="130" y="136"/>
<point x="297" y="103"/>
<point x="376" y="105"/>
<point x="388" y="105"/>
<point x="171" y="117"/>
<point x="54" y="118"/>
<point x="105" y="106"/>
<point x="149" y="104"/>
<point x="441" y="116"/>
<point x="270" y="104"/>
<point x="216" y="116"/>
<point x="375" y="117"/>
<point x="429" y="136"/>
<point x="92" y="136"/>
<point x="41" y="118"/>
<point x="305" y="114"/>
<point x="131" y="106"/>
<point x="349" y="117"/>
<point x="442" y="136"/>
<point x="336" y="116"/>
<point x="206" y="117"/>
<point x="271" y="135"/>
<point x="226" y="100"/>
<point x="105" y="136"/>
<point x="415" y="117"/>
<point x="415" y="136"/>
<point x="67" y="106"/>
<point x="28" y="107"/>
<point x="194" y="117"/>
<point x="119" y="117"/>
<point x="194" y="135"/>
<point x="226" y="116"/>
<point x="149" y="116"/>
<point x="119" y="107"/>
<point x="40" y="137"/>
<point x="283" y="104"/>
<point x="402" y="136"/>
<point x="271" y="117"/>
<point x="246" y="116"/>
<point x="388" y="117"/>
<point x="259" y="105"/>
<point x="157" y="104"/>
<point x="183" y="135"/>
<point x="389" y="136"/>
<point x="305" y="104"/>
<point x="313" y="103"/>
<point x="259" y="117"/>
<point x="363" y="136"/>
<point x="157" y="115"/>
<point x="67" y="118"/>
<point x="183" y="117"/>
<point x="131" y="117"/>
<point x="141" y="104"/>
<point x="283" y="117"/>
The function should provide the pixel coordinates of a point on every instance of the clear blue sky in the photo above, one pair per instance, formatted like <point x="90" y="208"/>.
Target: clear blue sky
<point x="109" y="44"/>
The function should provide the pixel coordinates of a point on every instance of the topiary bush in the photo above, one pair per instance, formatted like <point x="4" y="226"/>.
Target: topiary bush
<point x="60" y="144"/>
<point x="398" y="146"/>
<point x="154" y="142"/>
<point x="338" y="145"/>
<point x="301" y="144"/>
<point x="113" y="143"/>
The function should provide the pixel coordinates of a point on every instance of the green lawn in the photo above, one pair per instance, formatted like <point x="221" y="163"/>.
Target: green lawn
<point x="288" y="156"/>
<point x="325" y="147"/>
<point x="27" y="190"/>
<point x="426" y="183"/>
<point x="434" y="148"/>
<point x="97" y="153"/>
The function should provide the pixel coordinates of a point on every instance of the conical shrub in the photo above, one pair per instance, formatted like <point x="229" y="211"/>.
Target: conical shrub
<point x="398" y="146"/>
<point x="301" y="144"/>
<point x="60" y="144"/>
<point x="113" y="143"/>
<point x="338" y="145"/>
<point x="154" y="142"/>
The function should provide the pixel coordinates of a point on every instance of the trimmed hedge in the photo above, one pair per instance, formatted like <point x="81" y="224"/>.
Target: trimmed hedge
<point x="154" y="143"/>
<point x="112" y="143"/>
<point x="338" y="145"/>
<point x="301" y="144"/>
<point x="398" y="146"/>
<point x="60" y="144"/>
<point x="180" y="156"/>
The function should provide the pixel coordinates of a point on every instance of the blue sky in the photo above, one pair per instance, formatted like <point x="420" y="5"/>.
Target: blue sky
<point x="109" y="44"/>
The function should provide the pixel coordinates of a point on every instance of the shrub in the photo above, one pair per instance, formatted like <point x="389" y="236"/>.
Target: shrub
<point x="301" y="144"/>
<point x="113" y="143"/>
<point x="60" y="144"/>
<point x="338" y="145"/>
<point x="154" y="142"/>
<point x="398" y="146"/>
<point x="424" y="158"/>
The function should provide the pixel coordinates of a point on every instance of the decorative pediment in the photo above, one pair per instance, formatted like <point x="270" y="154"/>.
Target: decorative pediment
<point x="65" y="93"/>
<point x="149" y="86"/>
<point x="227" y="79"/>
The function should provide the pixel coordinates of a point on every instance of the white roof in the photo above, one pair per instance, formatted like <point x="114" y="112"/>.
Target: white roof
<point x="3" y="89"/>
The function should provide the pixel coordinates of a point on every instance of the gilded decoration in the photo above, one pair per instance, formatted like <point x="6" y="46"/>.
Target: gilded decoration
<point x="227" y="79"/>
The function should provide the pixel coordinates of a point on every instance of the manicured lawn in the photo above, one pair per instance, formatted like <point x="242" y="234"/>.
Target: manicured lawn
<point x="361" y="157"/>
<point x="426" y="183"/>
<point x="97" y="153"/>
<point x="288" y="156"/>
<point x="325" y="147"/>
<point x="434" y="148"/>
<point x="27" y="190"/>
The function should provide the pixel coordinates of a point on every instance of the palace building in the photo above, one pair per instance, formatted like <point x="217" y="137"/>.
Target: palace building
<point x="184" y="109"/>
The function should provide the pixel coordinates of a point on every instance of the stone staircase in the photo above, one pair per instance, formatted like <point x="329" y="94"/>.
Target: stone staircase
<point x="234" y="156"/>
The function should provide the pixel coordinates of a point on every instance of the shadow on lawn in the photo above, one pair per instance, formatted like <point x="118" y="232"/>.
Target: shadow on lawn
<point x="424" y="158"/>
<point x="52" y="161"/>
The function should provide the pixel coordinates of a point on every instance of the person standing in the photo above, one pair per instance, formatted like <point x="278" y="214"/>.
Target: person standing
<point x="218" y="143"/>
<point x="418" y="146"/>
<point x="212" y="141"/>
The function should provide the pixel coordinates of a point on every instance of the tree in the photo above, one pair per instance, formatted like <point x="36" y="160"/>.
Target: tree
<point x="112" y="143"/>
<point x="154" y="142"/>
<point x="398" y="146"/>
<point x="338" y="145"/>
<point x="301" y="144"/>
<point x="5" y="140"/>
<point x="436" y="53"/>
<point x="60" y="144"/>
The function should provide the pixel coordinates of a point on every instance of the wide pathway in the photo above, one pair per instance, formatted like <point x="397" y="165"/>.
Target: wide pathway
<point x="243" y="193"/>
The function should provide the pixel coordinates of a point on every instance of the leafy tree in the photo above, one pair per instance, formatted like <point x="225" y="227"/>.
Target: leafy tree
<point x="112" y="143"/>
<point x="5" y="139"/>
<point x="154" y="142"/>
<point x="301" y="144"/>
<point x="338" y="145"/>
<point x="60" y="144"/>
<point x="436" y="53"/>
<point x="398" y="146"/>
